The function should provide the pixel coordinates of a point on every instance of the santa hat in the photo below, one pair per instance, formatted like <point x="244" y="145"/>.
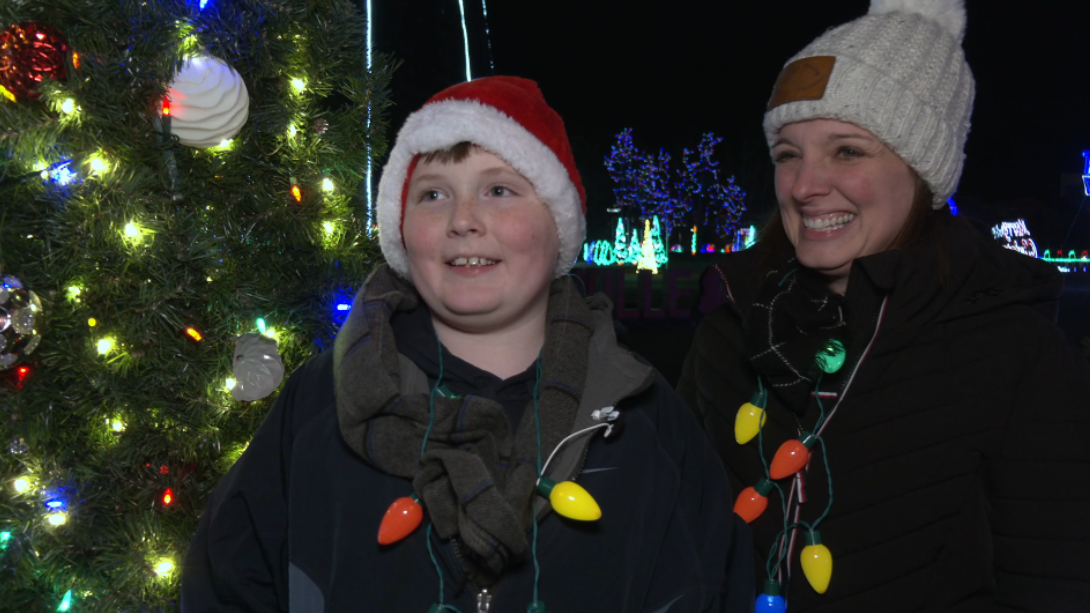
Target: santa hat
<point x="900" y="73"/>
<point x="508" y="117"/>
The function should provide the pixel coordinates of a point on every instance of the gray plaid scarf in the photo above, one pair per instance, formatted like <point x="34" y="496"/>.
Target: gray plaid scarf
<point x="476" y="480"/>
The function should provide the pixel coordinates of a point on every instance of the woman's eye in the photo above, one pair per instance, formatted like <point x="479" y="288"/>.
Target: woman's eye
<point x="784" y="156"/>
<point x="849" y="152"/>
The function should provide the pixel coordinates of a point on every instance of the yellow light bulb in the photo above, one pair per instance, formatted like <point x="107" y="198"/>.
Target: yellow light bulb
<point x="230" y="384"/>
<point x="131" y="230"/>
<point x="105" y="346"/>
<point x="327" y="184"/>
<point x="292" y="130"/>
<point x="73" y="293"/>
<point x="98" y="164"/>
<point x="329" y="227"/>
<point x="817" y="562"/>
<point x="56" y="519"/>
<point x="225" y="143"/>
<point x="68" y="105"/>
<point x="570" y="499"/>
<point x="299" y="85"/>
<point x="92" y="322"/>
<point x="748" y="422"/>
<point x="164" y="568"/>
<point x="117" y="425"/>
<point x="22" y="484"/>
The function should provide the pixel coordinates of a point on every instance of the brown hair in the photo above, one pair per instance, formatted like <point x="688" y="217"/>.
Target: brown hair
<point x="451" y="155"/>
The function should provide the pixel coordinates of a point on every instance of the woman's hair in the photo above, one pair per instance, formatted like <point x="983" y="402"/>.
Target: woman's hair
<point x="923" y="221"/>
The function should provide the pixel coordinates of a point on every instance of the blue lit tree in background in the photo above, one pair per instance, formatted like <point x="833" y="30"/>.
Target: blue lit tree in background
<point x="646" y="186"/>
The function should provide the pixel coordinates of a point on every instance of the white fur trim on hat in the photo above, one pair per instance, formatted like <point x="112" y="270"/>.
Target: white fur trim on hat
<point x="441" y="125"/>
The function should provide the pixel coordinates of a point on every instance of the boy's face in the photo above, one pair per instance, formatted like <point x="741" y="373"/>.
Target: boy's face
<point x="482" y="248"/>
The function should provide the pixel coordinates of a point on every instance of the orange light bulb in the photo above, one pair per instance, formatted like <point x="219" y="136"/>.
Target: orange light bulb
<point x="401" y="519"/>
<point x="753" y="501"/>
<point x="792" y="456"/>
<point x="297" y="193"/>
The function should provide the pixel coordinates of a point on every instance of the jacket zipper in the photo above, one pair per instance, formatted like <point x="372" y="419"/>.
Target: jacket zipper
<point x="484" y="601"/>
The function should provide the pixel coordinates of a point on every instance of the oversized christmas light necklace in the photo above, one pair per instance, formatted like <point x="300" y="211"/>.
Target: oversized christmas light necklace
<point x="567" y="498"/>
<point x="792" y="456"/>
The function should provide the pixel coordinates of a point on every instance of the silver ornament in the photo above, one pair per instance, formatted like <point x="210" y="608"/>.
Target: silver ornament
<point x="18" y="446"/>
<point x="258" y="368"/>
<point x="20" y="313"/>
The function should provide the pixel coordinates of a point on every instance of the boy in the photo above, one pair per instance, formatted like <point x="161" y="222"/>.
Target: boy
<point x="467" y="360"/>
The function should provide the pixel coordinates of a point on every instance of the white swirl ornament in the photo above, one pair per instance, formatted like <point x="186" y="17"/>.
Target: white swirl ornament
<point x="208" y="102"/>
<point x="258" y="368"/>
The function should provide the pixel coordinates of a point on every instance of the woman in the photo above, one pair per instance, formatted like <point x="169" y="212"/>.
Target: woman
<point x="910" y="369"/>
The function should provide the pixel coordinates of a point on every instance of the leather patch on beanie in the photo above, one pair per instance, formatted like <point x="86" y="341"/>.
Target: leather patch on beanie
<point x="803" y="79"/>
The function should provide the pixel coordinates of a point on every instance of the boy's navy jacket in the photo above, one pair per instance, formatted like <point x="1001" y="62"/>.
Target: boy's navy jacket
<point x="293" y="526"/>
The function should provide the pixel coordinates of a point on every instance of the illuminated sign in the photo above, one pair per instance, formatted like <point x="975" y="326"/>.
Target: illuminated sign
<point x="1014" y="235"/>
<point x="1086" y="173"/>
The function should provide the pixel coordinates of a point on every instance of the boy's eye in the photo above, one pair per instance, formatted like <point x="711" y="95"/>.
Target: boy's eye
<point x="431" y="194"/>
<point x="499" y="191"/>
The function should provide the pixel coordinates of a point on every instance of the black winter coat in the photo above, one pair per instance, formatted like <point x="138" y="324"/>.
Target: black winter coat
<point x="293" y="525"/>
<point x="959" y="444"/>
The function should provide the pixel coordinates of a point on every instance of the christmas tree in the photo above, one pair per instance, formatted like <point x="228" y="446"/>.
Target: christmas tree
<point x="174" y="174"/>
<point x="647" y="260"/>
<point x="620" y="246"/>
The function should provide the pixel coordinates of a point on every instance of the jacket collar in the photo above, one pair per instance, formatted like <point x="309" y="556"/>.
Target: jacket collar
<point x="613" y="373"/>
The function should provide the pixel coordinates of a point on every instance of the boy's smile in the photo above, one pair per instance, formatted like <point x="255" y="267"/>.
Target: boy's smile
<point x="482" y="247"/>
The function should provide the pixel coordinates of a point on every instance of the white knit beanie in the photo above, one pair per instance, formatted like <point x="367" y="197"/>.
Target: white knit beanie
<point x="508" y="117"/>
<point x="898" y="72"/>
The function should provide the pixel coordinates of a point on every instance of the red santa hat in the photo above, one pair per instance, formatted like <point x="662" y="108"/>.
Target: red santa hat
<point x="508" y="117"/>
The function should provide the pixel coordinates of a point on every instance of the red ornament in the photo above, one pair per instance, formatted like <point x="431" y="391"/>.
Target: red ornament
<point x="402" y="517"/>
<point x="29" y="52"/>
<point x="792" y="456"/>
<point x="753" y="501"/>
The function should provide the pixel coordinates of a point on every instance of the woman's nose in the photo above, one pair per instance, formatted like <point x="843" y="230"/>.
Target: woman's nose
<point x="811" y="180"/>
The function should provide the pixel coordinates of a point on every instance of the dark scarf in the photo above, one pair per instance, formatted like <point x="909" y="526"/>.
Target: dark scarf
<point x="476" y="480"/>
<point x="793" y="318"/>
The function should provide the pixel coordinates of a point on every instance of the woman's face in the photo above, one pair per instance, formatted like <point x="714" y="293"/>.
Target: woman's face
<point x="843" y="194"/>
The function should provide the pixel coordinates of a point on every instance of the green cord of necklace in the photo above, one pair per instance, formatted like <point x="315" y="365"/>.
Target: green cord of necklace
<point x="431" y="397"/>
<point x="423" y="447"/>
<point x="537" y="427"/>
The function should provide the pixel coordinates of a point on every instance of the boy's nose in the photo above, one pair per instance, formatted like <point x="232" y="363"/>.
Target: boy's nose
<point x="465" y="216"/>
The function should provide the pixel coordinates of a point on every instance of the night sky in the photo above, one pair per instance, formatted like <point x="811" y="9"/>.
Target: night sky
<point x="673" y="70"/>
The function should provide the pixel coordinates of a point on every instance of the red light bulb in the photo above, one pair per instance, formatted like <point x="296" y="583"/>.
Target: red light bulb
<point x="166" y="107"/>
<point x="792" y="456"/>
<point x="401" y="518"/>
<point x="168" y="496"/>
<point x="753" y="501"/>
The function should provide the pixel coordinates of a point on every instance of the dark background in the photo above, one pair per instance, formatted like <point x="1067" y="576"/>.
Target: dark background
<point x="674" y="70"/>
